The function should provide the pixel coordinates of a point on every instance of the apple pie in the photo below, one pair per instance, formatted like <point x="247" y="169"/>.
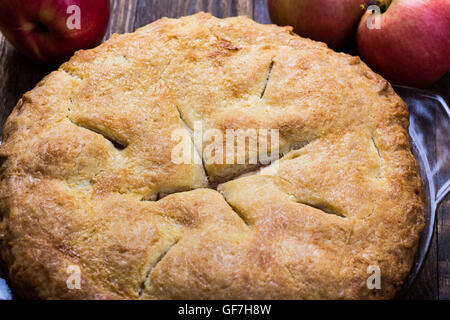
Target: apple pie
<point x="92" y="205"/>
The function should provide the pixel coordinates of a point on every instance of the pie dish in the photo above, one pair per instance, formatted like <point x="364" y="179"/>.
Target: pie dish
<point x="87" y="177"/>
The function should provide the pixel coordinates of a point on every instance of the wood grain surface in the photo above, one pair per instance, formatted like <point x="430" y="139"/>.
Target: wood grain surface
<point x="18" y="75"/>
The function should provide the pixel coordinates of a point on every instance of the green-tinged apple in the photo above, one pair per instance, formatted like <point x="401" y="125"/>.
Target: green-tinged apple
<point x="50" y="31"/>
<point x="331" y="21"/>
<point x="408" y="42"/>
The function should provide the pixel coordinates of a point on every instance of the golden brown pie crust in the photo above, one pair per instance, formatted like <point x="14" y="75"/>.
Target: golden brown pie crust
<point x="86" y="158"/>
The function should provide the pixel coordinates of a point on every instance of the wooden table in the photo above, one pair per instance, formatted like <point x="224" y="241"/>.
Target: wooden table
<point x="17" y="75"/>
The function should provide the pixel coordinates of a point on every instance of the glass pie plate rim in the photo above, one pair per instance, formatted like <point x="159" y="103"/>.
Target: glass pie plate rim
<point x="435" y="191"/>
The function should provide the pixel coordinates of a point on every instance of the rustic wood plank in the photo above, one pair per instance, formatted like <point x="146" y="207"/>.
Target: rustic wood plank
<point x="260" y="12"/>
<point x="18" y="74"/>
<point x="123" y="14"/>
<point x="425" y="287"/>
<point x="243" y="7"/>
<point x="444" y="250"/>
<point x="151" y="10"/>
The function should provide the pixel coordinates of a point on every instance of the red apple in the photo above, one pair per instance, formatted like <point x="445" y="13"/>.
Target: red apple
<point x="412" y="45"/>
<point x="50" y="31"/>
<point x="331" y="21"/>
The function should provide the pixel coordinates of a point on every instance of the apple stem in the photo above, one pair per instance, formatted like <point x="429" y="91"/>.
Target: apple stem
<point x="383" y="4"/>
